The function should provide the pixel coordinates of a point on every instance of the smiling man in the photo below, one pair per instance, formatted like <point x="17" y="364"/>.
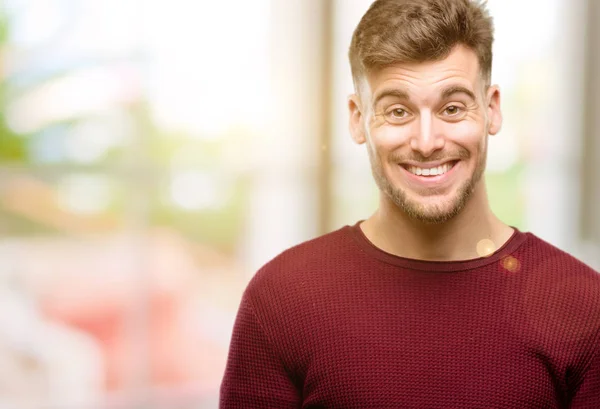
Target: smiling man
<point x="432" y="302"/>
<point x="426" y="125"/>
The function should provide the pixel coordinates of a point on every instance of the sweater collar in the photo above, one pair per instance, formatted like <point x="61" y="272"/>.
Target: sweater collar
<point x="501" y="255"/>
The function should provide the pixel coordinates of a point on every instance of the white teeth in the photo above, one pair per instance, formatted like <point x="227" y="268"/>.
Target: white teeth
<point x="440" y="170"/>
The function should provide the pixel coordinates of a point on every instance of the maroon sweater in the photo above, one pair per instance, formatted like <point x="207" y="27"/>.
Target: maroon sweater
<point x="338" y="323"/>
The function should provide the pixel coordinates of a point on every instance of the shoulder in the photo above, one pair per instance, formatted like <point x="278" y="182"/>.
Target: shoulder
<point x="559" y="276"/>
<point x="561" y="293"/>
<point x="289" y="294"/>
<point x="552" y="261"/>
<point x="302" y="264"/>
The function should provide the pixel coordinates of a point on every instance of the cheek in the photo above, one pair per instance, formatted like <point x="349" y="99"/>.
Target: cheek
<point x="388" y="138"/>
<point x="467" y="134"/>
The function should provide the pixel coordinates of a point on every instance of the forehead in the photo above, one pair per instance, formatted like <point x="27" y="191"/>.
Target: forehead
<point x="460" y="67"/>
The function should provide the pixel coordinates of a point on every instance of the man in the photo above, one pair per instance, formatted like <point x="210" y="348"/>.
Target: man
<point x="432" y="302"/>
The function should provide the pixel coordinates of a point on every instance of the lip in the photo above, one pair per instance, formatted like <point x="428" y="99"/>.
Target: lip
<point x="428" y="165"/>
<point x="430" y="181"/>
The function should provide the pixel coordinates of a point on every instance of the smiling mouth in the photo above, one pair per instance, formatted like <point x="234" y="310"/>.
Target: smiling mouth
<point x="430" y="171"/>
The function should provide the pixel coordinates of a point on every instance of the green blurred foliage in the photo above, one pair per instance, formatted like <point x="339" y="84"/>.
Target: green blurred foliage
<point x="12" y="146"/>
<point x="505" y="195"/>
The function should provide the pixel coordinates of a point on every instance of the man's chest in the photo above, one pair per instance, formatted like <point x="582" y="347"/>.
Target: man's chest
<point x="416" y="364"/>
<point x="428" y="376"/>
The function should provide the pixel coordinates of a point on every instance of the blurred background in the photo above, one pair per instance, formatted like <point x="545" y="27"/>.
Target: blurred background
<point x="154" y="154"/>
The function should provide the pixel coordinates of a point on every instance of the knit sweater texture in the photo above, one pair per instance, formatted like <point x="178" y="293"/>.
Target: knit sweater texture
<point x="336" y="322"/>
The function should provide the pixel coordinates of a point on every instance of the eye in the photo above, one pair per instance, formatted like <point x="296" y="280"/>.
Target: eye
<point x="398" y="113"/>
<point x="453" y="110"/>
<point x="397" y="116"/>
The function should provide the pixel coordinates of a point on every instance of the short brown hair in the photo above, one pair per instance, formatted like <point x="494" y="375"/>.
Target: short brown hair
<point x="414" y="31"/>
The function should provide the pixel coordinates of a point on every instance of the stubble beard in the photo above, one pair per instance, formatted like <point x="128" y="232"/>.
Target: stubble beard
<point x="429" y="213"/>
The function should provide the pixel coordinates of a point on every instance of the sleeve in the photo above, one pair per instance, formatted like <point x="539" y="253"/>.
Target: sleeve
<point x="254" y="375"/>
<point x="588" y="393"/>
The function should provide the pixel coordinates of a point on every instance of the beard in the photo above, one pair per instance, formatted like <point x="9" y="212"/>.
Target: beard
<point x="429" y="213"/>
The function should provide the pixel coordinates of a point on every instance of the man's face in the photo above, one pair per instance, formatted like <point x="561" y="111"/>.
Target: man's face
<point x="426" y="128"/>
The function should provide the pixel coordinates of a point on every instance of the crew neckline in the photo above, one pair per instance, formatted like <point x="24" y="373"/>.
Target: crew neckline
<point x="515" y="241"/>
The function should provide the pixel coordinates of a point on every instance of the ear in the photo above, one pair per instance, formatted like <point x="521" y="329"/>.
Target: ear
<point x="494" y="110"/>
<point x="357" y="129"/>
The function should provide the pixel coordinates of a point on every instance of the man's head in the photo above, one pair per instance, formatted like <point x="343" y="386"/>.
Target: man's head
<point x="423" y="102"/>
<point x="414" y="31"/>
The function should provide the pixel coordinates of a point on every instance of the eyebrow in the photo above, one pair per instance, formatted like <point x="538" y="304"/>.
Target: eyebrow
<point x="395" y="92"/>
<point x="400" y="93"/>
<point x="457" y="89"/>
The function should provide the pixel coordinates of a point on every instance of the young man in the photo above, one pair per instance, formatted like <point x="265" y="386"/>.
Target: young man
<point x="432" y="302"/>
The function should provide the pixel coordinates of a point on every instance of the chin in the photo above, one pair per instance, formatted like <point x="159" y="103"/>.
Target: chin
<point x="434" y="217"/>
<point x="436" y="209"/>
<point x="431" y="213"/>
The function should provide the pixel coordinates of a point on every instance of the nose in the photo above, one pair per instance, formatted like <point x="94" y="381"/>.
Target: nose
<point x="427" y="139"/>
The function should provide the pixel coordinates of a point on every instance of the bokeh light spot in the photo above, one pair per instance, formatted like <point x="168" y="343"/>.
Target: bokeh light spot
<point x="485" y="247"/>
<point x="511" y="264"/>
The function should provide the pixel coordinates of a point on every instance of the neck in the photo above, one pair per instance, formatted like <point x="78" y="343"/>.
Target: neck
<point x="474" y="232"/>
